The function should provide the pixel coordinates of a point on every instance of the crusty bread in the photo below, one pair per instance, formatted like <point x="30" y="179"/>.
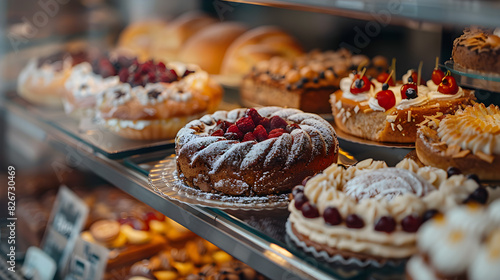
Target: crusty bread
<point x="363" y="122"/>
<point x="137" y="37"/>
<point x="208" y="46"/>
<point x="261" y="43"/>
<point x="169" y="40"/>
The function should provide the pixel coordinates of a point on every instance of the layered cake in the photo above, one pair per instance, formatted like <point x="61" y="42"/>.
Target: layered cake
<point x="462" y="244"/>
<point x="154" y="100"/>
<point x="305" y="82"/>
<point x="478" y="49"/>
<point x="369" y="213"/>
<point x="248" y="152"/>
<point x="469" y="140"/>
<point x="380" y="112"/>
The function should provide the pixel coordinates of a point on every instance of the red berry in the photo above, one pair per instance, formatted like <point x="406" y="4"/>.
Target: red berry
<point x="134" y="223"/>
<point x="332" y="216"/>
<point x="300" y="199"/>
<point x="245" y="124"/>
<point x="249" y="137"/>
<point x="448" y="85"/>
<point x="266" y="123"/>
<point x="234" y="129"/>
<point x="414" y="77"/>
<point x="277" y="132"/>
<point x="360" y="84"/>
<point x="218" y="132"/>
<point x="309" y="211"/>
<point x="411" y="223"/>
<point x="260" y="133"/>
<point x="256" y="117"/>
<point x="386" y="99"/>
<point x="161" y="66"/>
<point x="123" y="75"/>
<point x="354" y="221"/>
<point x="297" y="189"/>
<point x="149" y="216"/>
<point x="437" y="76"/>
<point x="277" y="122"/>
<point x="382" y="77"/>
<point x="385" y="224"/>
<point x="409" y="91"/>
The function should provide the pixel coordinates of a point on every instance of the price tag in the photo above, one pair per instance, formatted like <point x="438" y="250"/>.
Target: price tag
<point x="87" y="262"/>
<point x="38" y="265"/>
<point x="65" y="224"/>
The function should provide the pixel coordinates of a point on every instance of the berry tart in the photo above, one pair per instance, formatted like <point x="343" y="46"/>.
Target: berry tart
<point x="369" y="213"/>
<point x="305" y="82"/>
<point x="249" y="152"/>
<point x="385" y="113"/>
<point x="469" y="140"/>
<point x="153" y="100"/>
<point x="478" y="49"/>
<point x="42" y="80"/>
<point x="462" y="244"/>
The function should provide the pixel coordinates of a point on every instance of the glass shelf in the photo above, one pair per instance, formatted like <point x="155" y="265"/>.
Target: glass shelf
<point x="463" y="12"/>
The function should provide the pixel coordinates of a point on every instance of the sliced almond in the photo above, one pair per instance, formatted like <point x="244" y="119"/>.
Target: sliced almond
<point x="485" y="157"/>
<point x="452" y="150"/>
<point x="461" y="154"/>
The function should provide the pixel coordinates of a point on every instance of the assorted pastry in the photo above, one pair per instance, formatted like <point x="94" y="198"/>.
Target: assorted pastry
<point x="461" y="244"/>
<point x="305" y="82"/>
<point x="468" y="139"/>
<point x="154" y="100"/>
<point x="478" y="49"/>
<point x="42" y="80"/>
<point x="382" y="112"/>
<point x="248" y="152"/>
<point x="370" y="213"/>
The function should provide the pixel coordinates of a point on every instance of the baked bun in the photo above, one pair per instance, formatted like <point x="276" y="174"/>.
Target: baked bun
<point x="468" y="140"/>
<point x="167" y="44"/>
<point x="247" y="152"/>
<point x="362" y="113"/>
<point x="208" y="46"/>
<point x="137" y="37"/>
<point x="261" y="43"/>
<point x="478" y="49"/>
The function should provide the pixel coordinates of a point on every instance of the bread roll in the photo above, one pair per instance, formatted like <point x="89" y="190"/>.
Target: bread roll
<point x="261" y="43"/>
<point x="208" y="46"/>
<point x="137" y="37"/>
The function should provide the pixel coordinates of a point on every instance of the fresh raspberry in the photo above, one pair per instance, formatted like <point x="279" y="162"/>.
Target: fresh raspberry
<point x="256" y="117"/>
<point x="245" y="124"/>
<point x="265" y="123"/>
<point x="249" y="137"/>
<point x="161" y="66"/>
<point x="123" y="75"/>
<point x="218" y="132"/>
<point x="277" y="132"/>
<point x="277" y="122"/>
<point x="260" y="133"/>
<point x="234" y="129"/>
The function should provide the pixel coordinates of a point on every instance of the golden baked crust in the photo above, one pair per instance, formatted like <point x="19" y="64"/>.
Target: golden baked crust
<point x="432" y="150"/>
<point x="359" y="120"/>
<point x="272" y="166"/>
<point x="477" y="49"/>
<point x="261" y="43"/>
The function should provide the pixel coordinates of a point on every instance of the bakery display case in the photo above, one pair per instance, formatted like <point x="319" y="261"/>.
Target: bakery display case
<point x="251" y="217"/>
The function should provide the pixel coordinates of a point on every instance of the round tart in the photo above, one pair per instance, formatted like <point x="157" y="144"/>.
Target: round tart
<point x="42" y="80"/>
<point x="370" y="212"/>
<point x="462" y="244"/>
<point x="248" y="152"/>
<point x="478" y="49"/>
<point x="154" y="100"/>
<point x="468" y="140"/>
<point x="388" y="114"/>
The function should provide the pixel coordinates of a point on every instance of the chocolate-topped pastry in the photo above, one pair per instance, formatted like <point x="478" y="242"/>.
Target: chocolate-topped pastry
<point x="478" y="49"/>
<point x="304" y="83"/>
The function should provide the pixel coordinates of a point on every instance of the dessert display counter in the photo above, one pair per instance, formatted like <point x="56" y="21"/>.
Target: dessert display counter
<point x="256" y="231"/>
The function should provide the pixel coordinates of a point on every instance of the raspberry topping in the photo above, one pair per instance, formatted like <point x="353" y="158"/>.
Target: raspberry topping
<point x="253" y="127"/>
